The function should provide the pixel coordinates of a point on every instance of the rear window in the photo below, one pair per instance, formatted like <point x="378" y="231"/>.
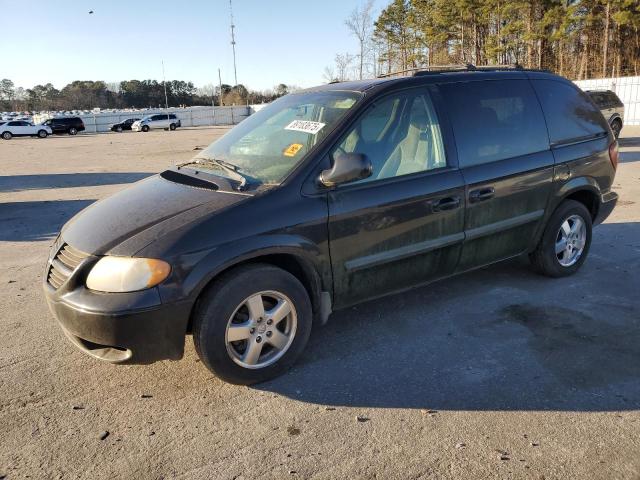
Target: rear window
<point x="569" y="113"/>
<point x="494" y="120"/>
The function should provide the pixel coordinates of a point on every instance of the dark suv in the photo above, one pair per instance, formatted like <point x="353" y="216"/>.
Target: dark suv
<point x="329" y="197"/>
<point x="611" y="107"/>
<point x="70" y="125"/>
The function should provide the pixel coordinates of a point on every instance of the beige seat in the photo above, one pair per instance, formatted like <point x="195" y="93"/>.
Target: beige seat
<point x="418" y="150"/>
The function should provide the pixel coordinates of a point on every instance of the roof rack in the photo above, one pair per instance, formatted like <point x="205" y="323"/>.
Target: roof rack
<point x="436" y="69"/>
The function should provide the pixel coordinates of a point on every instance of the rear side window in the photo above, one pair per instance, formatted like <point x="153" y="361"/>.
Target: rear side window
<point x="569" y="113"/>
<point x="613" y="100"/>
<point x="494" y="120"/>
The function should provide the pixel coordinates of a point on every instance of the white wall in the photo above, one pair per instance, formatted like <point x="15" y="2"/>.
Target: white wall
<point x="189" y="117"/>
<point x="627" y="88"/>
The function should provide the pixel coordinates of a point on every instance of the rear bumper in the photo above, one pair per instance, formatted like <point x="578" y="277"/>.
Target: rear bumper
<point x="121" y="328"/>
<point x="608" y="202"/>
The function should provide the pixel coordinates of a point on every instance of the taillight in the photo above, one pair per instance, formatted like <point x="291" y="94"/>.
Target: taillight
<point x="613" y="154"/>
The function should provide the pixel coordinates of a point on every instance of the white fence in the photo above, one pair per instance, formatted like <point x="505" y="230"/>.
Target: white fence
<point x="189" y="117"/>
<point x="627" y="88"/>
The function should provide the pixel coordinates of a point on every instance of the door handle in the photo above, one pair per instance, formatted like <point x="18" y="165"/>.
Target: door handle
<point x="448" y="203"/>
<point x="481" y="194"/>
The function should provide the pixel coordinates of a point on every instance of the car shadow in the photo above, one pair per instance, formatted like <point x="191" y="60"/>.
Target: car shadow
<point x="34" y="221"/>
<point x="499" y="338"/>
<point x="15" y="183"/>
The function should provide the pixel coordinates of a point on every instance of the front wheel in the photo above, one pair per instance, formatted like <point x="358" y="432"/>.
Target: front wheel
<point x="565" y="242"/>
<point x="172" y="127"/>
<point x="42" y="133"/>
<point x="252" y="324"/>
<point x="119" y="129"/>
<point x="145" y="128"/>
<point x="7" y="135"/>
<point x="73" y="131"/>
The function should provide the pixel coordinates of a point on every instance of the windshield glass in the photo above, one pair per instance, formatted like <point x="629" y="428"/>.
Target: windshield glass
<point x="265" y="147"/>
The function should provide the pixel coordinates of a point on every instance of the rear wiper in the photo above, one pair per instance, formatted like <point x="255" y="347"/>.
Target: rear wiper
<point x="231" y="169"/>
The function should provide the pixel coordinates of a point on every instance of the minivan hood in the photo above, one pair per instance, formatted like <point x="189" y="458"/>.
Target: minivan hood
<point x="104" y="225"/>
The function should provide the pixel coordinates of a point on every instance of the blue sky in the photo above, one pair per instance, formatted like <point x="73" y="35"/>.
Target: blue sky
<point x="278" y="41"/>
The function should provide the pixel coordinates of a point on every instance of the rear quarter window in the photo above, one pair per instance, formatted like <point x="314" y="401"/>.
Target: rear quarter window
<point x="569" y="114"/>
<point x="494" y="120"/>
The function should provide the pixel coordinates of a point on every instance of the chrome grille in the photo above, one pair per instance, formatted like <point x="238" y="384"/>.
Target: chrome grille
<point x="63" y="264"/>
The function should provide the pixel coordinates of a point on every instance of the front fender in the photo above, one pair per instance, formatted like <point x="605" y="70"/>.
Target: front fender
<point x="194" y="271"/>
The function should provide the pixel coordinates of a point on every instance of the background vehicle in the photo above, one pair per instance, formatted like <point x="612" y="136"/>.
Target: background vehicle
<point x="22" y="128"/>
<point x="150" y="122"/>
<point x="611" y="107"/>
<point x="70" y="125"/>
<point x="378" y="186"/>
<point x="124" y="125"/>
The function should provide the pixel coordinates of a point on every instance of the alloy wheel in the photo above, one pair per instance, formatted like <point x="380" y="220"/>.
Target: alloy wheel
<point x="571" y="240"/>
<point x="261" y="329"/>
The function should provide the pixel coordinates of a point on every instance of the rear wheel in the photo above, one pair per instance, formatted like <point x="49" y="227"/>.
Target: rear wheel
<point x="565" y="242"/>
<point x="616" y="127"/>
<point x="7" y="135"/>
<point x="145" y="128"/>
<point x="42" y="133"/>
<point x="73" y="131"/>
<point x="252" y="324"/>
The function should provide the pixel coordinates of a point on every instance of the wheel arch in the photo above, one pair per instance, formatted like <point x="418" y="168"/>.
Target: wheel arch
<point x="581" y="189"/>
<point x="292" y="261"/>
<point x="615" y="118"/>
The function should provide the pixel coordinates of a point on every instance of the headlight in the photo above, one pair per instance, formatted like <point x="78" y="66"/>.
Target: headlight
<point x="126" y="274"/>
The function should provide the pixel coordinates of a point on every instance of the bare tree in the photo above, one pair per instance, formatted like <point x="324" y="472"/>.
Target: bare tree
<point x="344" y="63"/>
<point x="360" y="24"/>
<point x="329" y="74"/>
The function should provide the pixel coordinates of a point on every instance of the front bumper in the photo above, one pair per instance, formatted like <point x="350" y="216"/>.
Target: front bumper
<point x="132" y="327"/>
<point x="607" y="204"/>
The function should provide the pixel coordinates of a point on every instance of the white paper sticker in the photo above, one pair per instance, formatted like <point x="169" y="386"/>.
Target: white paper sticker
<point x="305" y="126"/>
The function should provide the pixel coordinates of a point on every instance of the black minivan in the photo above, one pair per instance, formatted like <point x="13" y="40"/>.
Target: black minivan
<point x="70" y="125"/>
<point x="329" y="197"/>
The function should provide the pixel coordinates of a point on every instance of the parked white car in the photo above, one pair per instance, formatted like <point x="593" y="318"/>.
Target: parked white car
<point x="167" y="122"/>
<point x="22" y="128"/>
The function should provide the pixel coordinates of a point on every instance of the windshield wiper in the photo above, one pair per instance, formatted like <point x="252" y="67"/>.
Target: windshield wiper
<point x="231" y="169"/>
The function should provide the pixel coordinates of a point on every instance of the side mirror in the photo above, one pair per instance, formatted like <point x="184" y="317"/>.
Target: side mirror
<point x="347" y="167"/>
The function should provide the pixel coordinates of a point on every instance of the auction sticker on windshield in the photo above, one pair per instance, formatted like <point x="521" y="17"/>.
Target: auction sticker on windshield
<point x="292" y="149"/>
<point x="306" y="126"/>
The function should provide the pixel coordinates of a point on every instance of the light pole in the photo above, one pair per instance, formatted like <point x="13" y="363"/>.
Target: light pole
<point x="164" y="82"/>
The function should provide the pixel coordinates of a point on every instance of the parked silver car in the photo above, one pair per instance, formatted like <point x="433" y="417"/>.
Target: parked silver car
<point x="611" y="107"/>
<point x="164" y="121"/>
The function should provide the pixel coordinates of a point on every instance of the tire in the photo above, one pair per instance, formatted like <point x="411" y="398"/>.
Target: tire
<point x="545" y="259"/>
<point x="145" y="128"/>
<point x="73" y="131"/>
<point x="225" y="303"/>
<point x="119" y="129"/>
<point x="42" y="134"/>
<point x="7" y="135"/>
<point x="616" y="127"/>
<point x="172" y="127"/>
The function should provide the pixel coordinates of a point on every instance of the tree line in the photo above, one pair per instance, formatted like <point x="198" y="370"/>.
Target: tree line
<point x="86" y="95"/>
<point x="575" y="38"/>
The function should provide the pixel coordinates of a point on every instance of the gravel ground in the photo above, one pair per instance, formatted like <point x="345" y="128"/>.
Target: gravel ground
<point x="495" y="374"/>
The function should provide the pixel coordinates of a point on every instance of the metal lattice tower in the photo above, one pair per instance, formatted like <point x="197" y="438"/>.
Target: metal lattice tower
<point x="233" y="44"/>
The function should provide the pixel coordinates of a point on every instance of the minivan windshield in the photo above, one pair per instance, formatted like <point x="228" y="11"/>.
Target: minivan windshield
<point x="268" y="145"/>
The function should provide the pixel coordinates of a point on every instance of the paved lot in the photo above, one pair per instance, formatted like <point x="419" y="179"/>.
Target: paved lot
<point x="495" y="374"/>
